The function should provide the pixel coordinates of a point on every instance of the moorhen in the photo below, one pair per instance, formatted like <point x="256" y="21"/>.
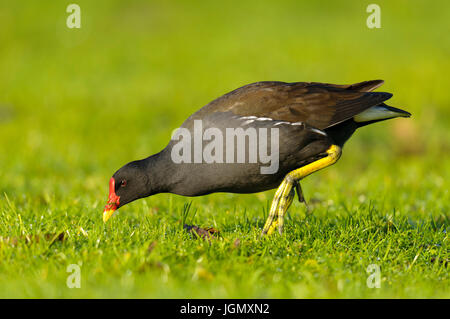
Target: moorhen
<point x="308" y="122"/>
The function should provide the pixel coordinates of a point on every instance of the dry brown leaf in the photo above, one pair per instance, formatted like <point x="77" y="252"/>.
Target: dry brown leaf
<point x="202" y="232"/>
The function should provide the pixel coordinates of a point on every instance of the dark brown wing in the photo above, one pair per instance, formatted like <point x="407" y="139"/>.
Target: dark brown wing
<point x="366" y="86"/>
<point x="320" y="105"/>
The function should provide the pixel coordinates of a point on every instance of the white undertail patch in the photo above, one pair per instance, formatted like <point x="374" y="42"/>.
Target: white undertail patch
<point x="374" y="113"/>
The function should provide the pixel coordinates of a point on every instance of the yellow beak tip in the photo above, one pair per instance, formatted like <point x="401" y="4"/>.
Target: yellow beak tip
<point x="107" y="214"/>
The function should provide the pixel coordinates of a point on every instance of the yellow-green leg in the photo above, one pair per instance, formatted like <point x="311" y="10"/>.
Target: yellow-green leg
<point x="286" y="202"/>
<point x="273" y="209"/>
<point x="286" y="191"/>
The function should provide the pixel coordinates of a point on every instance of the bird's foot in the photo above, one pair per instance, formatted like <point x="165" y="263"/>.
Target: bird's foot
<point x="281" y="202"/>
<point x="285" y="192"/>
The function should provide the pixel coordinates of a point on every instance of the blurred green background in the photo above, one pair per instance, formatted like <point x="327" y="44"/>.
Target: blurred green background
<point x="77" y="104"/>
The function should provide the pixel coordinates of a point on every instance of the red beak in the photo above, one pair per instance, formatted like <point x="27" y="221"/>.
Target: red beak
<point x="113" y="201"/>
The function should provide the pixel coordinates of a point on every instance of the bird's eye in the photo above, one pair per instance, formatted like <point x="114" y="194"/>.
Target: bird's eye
<point x="123" y="183"/>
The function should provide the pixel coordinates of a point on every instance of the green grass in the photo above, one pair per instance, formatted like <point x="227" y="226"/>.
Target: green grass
<point x="75" y="105"/>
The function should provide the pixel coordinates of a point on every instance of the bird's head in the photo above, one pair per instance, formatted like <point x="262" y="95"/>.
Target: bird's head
<point x="126" y="185"/>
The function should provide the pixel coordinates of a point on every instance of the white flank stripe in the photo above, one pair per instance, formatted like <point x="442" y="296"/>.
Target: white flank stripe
<point x="319" y="132"/>
<point x="248" y="122"/>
